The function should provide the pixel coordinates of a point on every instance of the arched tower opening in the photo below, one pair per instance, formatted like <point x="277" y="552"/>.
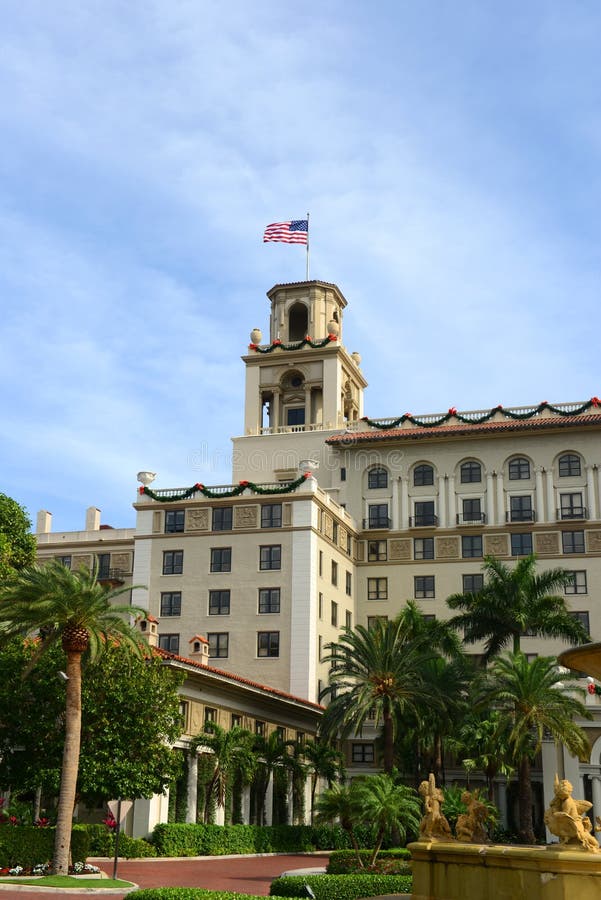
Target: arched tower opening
<point x="298" y="322"/>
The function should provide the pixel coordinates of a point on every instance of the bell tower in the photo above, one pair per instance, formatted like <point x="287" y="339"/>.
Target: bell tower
<point x="303" y="379"/>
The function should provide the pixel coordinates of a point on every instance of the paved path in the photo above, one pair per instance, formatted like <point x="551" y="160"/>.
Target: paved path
<point x="248" y="875"/>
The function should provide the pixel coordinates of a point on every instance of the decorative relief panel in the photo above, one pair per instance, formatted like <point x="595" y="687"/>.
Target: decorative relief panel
<point x="328" y="526"/>
<point x="197" y="519"/>
<point x="593" y="539"/>
<point x="122" y="561"/>
<point x="81" y="559"/>
<point x="246" y="516"/>
<point x="546" y="542"/>
<point x="447" y="548"/>
<point x="399" y="548"/>
<point x="342" y="538"/>
<point x="156" y="521"/>
<point x="360" y="549"/>
<point x="196" y="718"/>
<point x="496" y="545"/>
<point x="286" y="513"/>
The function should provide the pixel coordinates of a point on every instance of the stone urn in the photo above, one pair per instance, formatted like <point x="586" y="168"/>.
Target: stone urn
<point x="256" y="336"/>
<point x="146" y="478"/>
<point x="356" y="357"/>
<point x="333" y="327"/>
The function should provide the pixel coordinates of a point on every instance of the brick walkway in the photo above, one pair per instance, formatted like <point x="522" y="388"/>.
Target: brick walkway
<point x="248" y="875"/>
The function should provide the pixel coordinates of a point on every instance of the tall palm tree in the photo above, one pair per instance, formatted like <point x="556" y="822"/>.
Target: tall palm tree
<point x="532" y="697"/>
<point x="270" y="751"/>
<point x="390" y="807"/>
<point x="232" y="753"/>
<point x="380" y="669"/>
<point x="73" y="609"/>
<point x="324" y="761"/>
<point x="514" y="601"/>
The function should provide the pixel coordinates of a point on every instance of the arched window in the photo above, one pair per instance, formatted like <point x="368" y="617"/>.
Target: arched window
<point x="298" y="322"/>
<point x="422" y="475"/>
<point x="470" y="472"/>
<point x="519" y="469"/>
<point x="569" y="465"/>
<point x="377" y="478"/>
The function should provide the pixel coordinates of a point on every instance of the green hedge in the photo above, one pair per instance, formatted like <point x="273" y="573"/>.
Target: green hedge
<point x="102" y="843"/>
<point x="216" y="840"/>
<point x="26" y="845"/>
<point x="183" y="893"/>
<point x="341" y="887"/>
<point x="344" y="861"/>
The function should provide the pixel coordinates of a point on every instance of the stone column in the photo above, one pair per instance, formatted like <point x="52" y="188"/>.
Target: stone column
<point x="269" y="802"/>
<point x="192" y="789"/>
<point x="219" y="815"/>
<point x="500" y="500"/>
<point x="452" y="513"/>
<point x="308" y="419"/>
<point x="405" y="512"/>
<point x="539" y="500"/>
<point x="551" y="764"/>
<point x="246" y="805"/>
<point x="590" y="490"/>
<point x="550" y="495"/>
<point x="502" y="802"/>
<point x="490" y="499"/>
<point x="442" y="502"/>
<point x="394" y="511"/>
<point x="289" y="800"/>
<point x="596" y="784"/>
<point x="275" y="418"/>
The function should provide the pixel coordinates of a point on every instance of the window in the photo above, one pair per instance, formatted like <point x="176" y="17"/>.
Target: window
<point x="519" y="469"/>
<point x="171" y="603"/>
<point x="236" y="720"/>
<point x="520" y="508"/>
<point x="103" y="561"/>
<point x="583" y="618"/>
<point x="578" y="583"/>
<point x="269" y="600"/>
<point x="472" y="583"/>
<point x="221" y="559"/>
<point x="572" y="541"/>
<point x="259" y="728"/>
<point x="334" y="573"/>
<point x="348" y="619"/>
<point x="377" y="478"/>
<point x="321" y="562"/>
<point x="423" y="475"/>
<point x="521" y="544"/>
<point x="377" y="588"/>
<point x="334" y="614"/>
<point x="281" y="732"/>
<point x="184" y="709"/>
<point x="268" y="643"/>
<point x="378" y="515"/>
<point x="423" y="548"/>
<point x="335" y="532"/>
<point x="295" y="415"/>
<point x="377" y="551"/>
<point x="271" y="515"/>
<point x="362" y="754"/>
<point x="218" y="644"/>
<point x="270" y="557"/>
<point x="571" y="506"/>
<point x="569" y="465"/>
<point x="210" y="714"/>
<point x="173" y="562"/>
<point x="343" y="473"/>
<point x="222" y="518"/>
<point x="169" y="642"/>
<point x="300" y="738"/>
<point x="471" y="546"/>
<point x="373" y="620"/>
<point x="470" y="472"/>
<point x="320" y="606"/>
<point x="174" y="520"/>
<point x="319" y="648"/>
<point x="348" y="586"/>
<point x="64" y="560"/>
<point x="472" y="511"/>
<point x="219" y="603"/>
<point x="424" y="513"/>
<point x="423" y="586"/>
<point x="349" y="541"/>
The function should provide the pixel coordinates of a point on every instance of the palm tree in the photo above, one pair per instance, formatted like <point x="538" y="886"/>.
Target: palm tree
<point x="532" y="697"/>
<point x="515" y="601"/>
<point x="270" y="752"/>
<point x="232" y="755"/>
<point x="481" y="742"/>
<point x="390" y="807"/>
<point x="73" y="609"/>
<point x="341" y="803"/>
<point x="324" y="762"/>
<point x="379" y="670"/>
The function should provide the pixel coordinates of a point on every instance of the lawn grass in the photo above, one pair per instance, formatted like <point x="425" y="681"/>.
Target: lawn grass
<point x="54" y="881"/>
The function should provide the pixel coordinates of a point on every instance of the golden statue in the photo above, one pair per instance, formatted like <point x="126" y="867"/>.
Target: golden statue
<point x="433" y="826"/>
<point x="470" y="825"/>
<point x="565" y="818"/>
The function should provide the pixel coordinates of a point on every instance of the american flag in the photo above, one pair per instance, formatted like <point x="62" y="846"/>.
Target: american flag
<point x="295" y="232"/>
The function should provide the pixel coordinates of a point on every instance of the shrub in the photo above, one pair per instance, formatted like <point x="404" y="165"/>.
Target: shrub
<point x="341" y="887"/>
<point x="26" y="845"/>
<point x="102" y="843"/>
<point x="187" y="893"/>
<point x="388" y="862"/>
<point x="215" y="840"/>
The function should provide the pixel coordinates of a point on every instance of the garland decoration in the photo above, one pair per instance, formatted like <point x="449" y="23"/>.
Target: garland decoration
<point x="486" y="417"/>
<point x="234" y="492"/>
<point x="306" y="342"/>
<point x="593" y="688"/>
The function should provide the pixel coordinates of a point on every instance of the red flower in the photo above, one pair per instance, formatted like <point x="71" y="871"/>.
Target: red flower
<point x="499" y="406"/>
<point x="243" y="483"/>
<point x="332" y="337"/>
<point x="199" y="486"/>
<point x="408" y="416"/>
<point x="142" y="490"/>
<point x="595" y="401"/>
<point x="306" y="474"/>
<point x="252" y="346"/>
<point x="452" y="411"/>
<point x="13" y="820"/>
<point x="544" y="403"/>
<point x="276" y="343"/>
<point x="591" y="688"/>
<point x="307" y="338"/>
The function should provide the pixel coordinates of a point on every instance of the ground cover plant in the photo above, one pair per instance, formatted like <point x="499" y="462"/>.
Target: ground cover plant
<point x="341" y="887"/>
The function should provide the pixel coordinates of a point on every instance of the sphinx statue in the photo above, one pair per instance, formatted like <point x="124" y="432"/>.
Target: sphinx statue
<point x="433" y="826"/>
<point x="565" y="818"/>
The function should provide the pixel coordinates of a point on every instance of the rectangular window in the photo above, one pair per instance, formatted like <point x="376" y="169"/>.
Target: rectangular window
<point x="378" y="515"/>
<point x="219" y="642"/>
<point x="334" y="614"/>
<point x="334" y="573"/>
<point x="271" y="515"/>
<point x="259" y="728"/>
<point x="472" y="510"/>
<point x="471" y="546"/>
<point x="174" y="520"/>
<point x="173" y="562"/>
<point x="362" y="754"/>
<point x="424" y="514"/>
<point x="471" y="472"/>
<point x="169" y="642"/>
<point x="423" y="548"/>
<point x="319" y="648"/>
<point x="571" y="506"/>
<point x="377" y="551"/>
<point x="219" y="603"/>
<point x="372" y="620"/>
<point x="521" y="544"/>
<point x="269" y="600"/>
<point x="171" y="603"/>
<point x="221" y="559"/>
<point x="348" y="619"/>
<point x="295" y="415"/>
<point x="320" y="606"/>
<point x="343" y="473"/>
<point x="423" y="586"/>
<point x="270" y="557"/>
<point x="335" y="532"/>
<point x="210" y="714"/>
<point x="583" y="618"/>
<point x="236" y="720"/>
<point x="349" y="543"/>
<point x="472" y="583"/>
<point x="103" y="561"/>
<point x="572" y="541"/>
<point x="321" y="562"/>
<point x="268" y="643"/>
<point x="64" y="560"/>
<point x="348" y="584"/>
<point x="520" y="508"/>
<point x="577" y="584"/>
<point x="377" y="588"/>
<point x="222" y="518"/>
<point x="569" y="465"/>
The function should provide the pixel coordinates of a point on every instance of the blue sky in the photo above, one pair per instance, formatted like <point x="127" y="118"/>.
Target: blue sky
<point x="449" y="153"/>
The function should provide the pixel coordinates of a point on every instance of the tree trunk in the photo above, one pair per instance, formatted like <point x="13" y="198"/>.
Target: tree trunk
<point x="314" y="777"/>
<point x="70" y="766"/>
<point x="516" y="642"/>
<point x="388" y="742"/>
<point x="526" y="831"/>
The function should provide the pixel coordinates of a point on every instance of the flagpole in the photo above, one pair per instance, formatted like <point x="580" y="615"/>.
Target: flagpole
<point x="307" y="247"/>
